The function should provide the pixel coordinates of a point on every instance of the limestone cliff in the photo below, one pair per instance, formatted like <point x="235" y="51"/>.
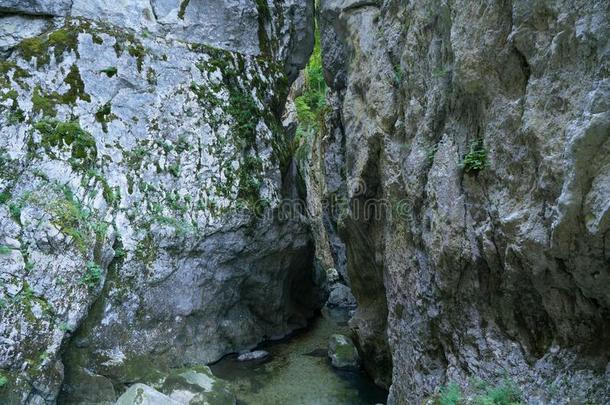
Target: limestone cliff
<point x="459" y="183"/>
<point x="141" y="161"/>
<point x="474" y="139"/>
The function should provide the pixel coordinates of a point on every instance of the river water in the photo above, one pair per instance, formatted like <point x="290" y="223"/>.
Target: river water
<point x="298" y="372"/>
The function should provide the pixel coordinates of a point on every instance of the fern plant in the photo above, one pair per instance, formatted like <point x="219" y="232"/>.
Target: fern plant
<point x="92" y="275"/>
<point x="476" y="159"/>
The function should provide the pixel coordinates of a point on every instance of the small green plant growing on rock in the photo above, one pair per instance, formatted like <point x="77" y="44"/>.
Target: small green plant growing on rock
<point x="431" y="152"/>
<point x="72" y="218"/>
<point x="104" y="115"/>
<point x="506" y="393"/>
<point x="139" y="52"/>
<point x="398" y="74"/>
<point x="65" y="327"/>
<point x="3" y="380"/>
<point x="5" y="196"/>
<point x="110" y="71"/>
<point x="440" y="72"/>
<point x="311" y="105"/>
<point x="15" y="207"/>
<point x="92" y="276"/>
<point x="450" y="395"/>
<point x="5" y="250"/>
<point x="476" y="159"/>
<point x="182" y="10"/>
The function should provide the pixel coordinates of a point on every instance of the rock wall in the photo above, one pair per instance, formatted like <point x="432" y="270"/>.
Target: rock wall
<point x="475" y="138"/>
<point x="142" y="159"/>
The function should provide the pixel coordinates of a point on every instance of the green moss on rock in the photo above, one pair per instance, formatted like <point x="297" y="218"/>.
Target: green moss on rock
<point x="42" y="103"/>
<point x="104" y="115"/>
<point x="68" y="135"/>
<point x="182" y="11"/>
<point x="110" y="71"/>
<point x="61" y="41"/>
<point x="77" y="88"/>
<point x="138" y="51"/>
<point x="46" y="104"/>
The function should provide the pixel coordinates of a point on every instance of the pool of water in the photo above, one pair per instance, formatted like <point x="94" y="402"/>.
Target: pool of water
<point x="298" y="372"/>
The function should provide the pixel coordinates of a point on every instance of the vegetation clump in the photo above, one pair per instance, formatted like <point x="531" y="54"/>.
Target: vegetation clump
<point x="62" y="40"/>
<point x="138" y="51"/>
<point x="104" y="115"/>
<point x="110" y="71"/>
<point x="182" y="10"/>
<point x="92" y="276"/>
<point x="77" y="88"/>
<point x="59" y="134"/>
<point x="450" y="395"/>
<point x="476" y="159"/>
<point x="505" y="393"/>
<point x="5" y="196"/>
<point x="46" y="103"/>
<point x="311" y="104"/>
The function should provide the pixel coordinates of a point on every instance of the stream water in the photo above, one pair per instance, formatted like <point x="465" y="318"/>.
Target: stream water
<point x="298" y="372"/>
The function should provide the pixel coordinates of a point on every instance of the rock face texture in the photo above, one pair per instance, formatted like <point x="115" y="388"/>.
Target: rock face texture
<point x="141" y="162"/>
<point x="474" y="141"/>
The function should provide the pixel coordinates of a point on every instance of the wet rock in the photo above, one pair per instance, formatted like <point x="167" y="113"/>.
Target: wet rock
<point x="198" y="386"/>
<point x="343" y="353"/>
<point x="87" y="388"/>
<point x="255" y="355"/>
<point x="140" y="394"/>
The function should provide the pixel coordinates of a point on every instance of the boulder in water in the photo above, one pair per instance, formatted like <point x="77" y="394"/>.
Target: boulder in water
<point x="343" y="353"/>
<point x="141" y="394"/>
<point x="255" y="355"/>
<point x="198" y="386"/>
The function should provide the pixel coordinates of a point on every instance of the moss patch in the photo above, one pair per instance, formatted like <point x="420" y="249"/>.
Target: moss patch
<point x="138" y="51"/>
<point x="67" y="135"/>
<point x="243" y="115"/>
<point x="182" y="11"/>
<point x="61" y="41"/>
<point x="46" y="104"/>
<point x="110" y="71"/>
<point x="104" y="115"/>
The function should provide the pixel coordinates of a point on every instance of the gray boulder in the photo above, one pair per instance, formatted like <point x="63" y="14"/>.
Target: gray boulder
<point x="341" y="296"/>
<point x="198" y="386"/>
<point x="140" y="394"/>
<point x="255" y="355"/>
<point x="343" y="353"/>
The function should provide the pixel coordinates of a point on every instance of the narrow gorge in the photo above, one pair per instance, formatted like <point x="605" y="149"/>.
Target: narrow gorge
<point x="305" y="201"/>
